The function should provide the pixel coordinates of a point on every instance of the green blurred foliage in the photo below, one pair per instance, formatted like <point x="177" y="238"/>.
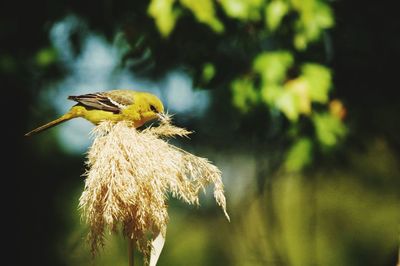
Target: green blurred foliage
<point x="318" y="79"/>
<point x="299" y="156"/>
<point x="274" y="13"/>
<point x="315" y="16"/>
<point x="279" y="79"/>
<point x="329" y="129"/>
<point x="244" y="94"/>
<point x="334" y="220"/>
<point x="320" y="224"/>
<point x="165" y="15"/>
<point x="204" y="12"/>
<point x="208" y="72"/>
<point x="244" y="10"/>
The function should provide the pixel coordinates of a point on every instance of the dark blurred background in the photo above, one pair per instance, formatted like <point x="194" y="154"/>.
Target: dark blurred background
<point x="295" y="101"/>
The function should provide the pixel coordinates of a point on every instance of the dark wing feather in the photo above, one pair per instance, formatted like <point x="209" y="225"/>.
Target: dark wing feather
<point x="113" y="101"/>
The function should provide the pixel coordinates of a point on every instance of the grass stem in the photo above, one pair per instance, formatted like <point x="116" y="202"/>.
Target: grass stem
<point x="131" y="254"/>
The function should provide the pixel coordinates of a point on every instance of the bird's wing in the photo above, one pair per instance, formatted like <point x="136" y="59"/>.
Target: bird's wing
<point x="112" y="101"/>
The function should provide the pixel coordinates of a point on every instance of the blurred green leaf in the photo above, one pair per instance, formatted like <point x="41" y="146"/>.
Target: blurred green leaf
<point x="272" y="66"/>
<point x="270" y="92"/>
<point x="204" y="12"/>
<point x="320" y="81"/>
<point x="164" y="14"/>
<point x="288" y="103"/>
<point x="324" y="15"/>
<point x="314" y="17"/>
<point x="244" y="94"/>
<point x="208" y="72"/>
<point x="243" y="9"/>
<point x="300" y="88"/>
<point x="274" y="13"/>
<point x="300" y="41"/>
<point x="299" y="155"/>
<point x="329" y="129"/>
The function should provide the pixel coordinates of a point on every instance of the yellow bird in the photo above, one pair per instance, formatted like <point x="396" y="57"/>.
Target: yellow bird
<point x="115" y="105"/>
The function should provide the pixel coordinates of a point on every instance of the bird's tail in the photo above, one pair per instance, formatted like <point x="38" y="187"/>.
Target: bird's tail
<point x="53" y="123"/>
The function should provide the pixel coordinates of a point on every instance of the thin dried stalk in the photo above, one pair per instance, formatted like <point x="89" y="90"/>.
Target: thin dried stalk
<point x="131" y="254"/>
<point x="129" y="175"/>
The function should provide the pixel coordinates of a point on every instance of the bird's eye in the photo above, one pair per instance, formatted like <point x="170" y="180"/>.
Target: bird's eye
<point x="153" y="109"/>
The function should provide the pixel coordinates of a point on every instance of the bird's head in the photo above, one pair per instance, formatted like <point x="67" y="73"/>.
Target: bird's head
<point x="152" y="107"/>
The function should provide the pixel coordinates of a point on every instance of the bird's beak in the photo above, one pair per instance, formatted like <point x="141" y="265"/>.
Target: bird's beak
<point x="164" y="117"/>
<point x="161" y="116"/>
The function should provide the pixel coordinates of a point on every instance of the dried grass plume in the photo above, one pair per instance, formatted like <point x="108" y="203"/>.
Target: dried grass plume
<point x="129" y="176"/>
